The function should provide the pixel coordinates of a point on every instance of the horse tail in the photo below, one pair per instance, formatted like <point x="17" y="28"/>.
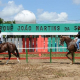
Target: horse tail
<point x="17" y="52"/>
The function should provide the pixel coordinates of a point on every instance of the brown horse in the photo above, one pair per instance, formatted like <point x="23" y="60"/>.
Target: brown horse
<point x="11" y="48"/>
<point x="70" y="45"/>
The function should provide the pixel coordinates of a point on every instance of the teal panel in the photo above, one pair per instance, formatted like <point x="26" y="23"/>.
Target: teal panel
<point x="53" y="44"/>
<point x="65" y="49"/>
<point x="59" y="49"/>
<point x="72" y="37"/>
<point x="49" y="43"/>
<point x="57" y="43"/>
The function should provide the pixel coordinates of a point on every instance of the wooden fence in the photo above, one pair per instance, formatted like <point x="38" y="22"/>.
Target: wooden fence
<point x="37" y="43"/>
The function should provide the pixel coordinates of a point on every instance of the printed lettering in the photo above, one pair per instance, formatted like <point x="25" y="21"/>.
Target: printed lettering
<point x="66" y="28"/>
<point x="37" y="28"/>
<point x="58" y="28"/>
<point x="45" y="28"/>
<point x="18" y="28"/>
<point x="41" y="28"/>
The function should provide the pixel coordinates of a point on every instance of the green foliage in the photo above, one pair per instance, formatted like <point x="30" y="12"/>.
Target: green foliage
<point x="9" y="22"/>
<point x="14" y="22"/>
<point x="6" y="22"/>
<point x="1" y="20"/>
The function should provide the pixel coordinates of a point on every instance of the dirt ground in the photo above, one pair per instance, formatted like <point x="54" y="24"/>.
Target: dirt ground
<point x="40" y="70"/>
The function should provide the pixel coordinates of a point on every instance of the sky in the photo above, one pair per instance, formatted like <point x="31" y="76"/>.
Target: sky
<point x="45" y="11"/>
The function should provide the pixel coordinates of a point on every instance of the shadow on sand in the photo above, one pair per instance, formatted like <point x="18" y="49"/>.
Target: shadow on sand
<point x="1" y="63"/>
<point x="78" y="63"/>
<point x="58" y="62"/>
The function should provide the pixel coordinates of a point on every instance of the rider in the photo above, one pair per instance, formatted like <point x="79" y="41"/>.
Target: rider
<point x="78" y="40"/>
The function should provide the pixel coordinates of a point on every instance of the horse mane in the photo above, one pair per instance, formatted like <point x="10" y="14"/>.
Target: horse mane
<point x="68" y="39"/>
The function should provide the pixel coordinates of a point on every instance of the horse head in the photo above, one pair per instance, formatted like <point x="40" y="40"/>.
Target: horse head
<point x="67" y="40"/>
<point x="62" y="39"/>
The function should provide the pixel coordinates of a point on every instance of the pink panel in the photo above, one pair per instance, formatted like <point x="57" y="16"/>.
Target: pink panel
<point x="42" y="44"/>
<point x="46" y="44"/>
<point x="35" y="40"/>
<point x="39" y="43"/>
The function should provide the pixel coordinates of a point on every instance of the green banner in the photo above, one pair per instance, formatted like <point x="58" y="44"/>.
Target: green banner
<point x="39" y="27"/>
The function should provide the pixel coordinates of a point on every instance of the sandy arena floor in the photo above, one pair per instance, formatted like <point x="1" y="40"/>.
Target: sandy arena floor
<point x="40" y="70"/>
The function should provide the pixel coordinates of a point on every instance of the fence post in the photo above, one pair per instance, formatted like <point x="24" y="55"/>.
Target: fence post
<point x="26" y="55"/>
<point x="50" y="55"/>
<point x="73" y="57"/>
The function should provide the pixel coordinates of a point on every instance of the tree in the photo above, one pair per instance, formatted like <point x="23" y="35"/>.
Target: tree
<point x="14" y="22"/>
<point x="1" y="20"/>
<point x="8" y="22"/>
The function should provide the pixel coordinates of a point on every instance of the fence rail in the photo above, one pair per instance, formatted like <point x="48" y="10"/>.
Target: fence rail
<point x="43" y="48"/>
<point x="40" y="57"/>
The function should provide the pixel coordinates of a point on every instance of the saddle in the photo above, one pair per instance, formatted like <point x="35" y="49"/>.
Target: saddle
<point x="73" y="42"/>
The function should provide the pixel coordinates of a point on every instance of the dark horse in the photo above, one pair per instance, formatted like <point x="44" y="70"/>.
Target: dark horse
<point x="70" y="45"/>
<point x="11" y="48"/>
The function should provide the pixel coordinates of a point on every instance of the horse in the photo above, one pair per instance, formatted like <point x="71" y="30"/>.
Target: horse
<point x="71" y="46"/>
<point x="11" y="48"/>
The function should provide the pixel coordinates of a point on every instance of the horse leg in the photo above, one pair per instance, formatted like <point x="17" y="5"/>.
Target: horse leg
<point x="16" y="56"/>
<point x="9" y="57"/>
<point x="72" y="57"/>
<point x="67" y="55"/>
